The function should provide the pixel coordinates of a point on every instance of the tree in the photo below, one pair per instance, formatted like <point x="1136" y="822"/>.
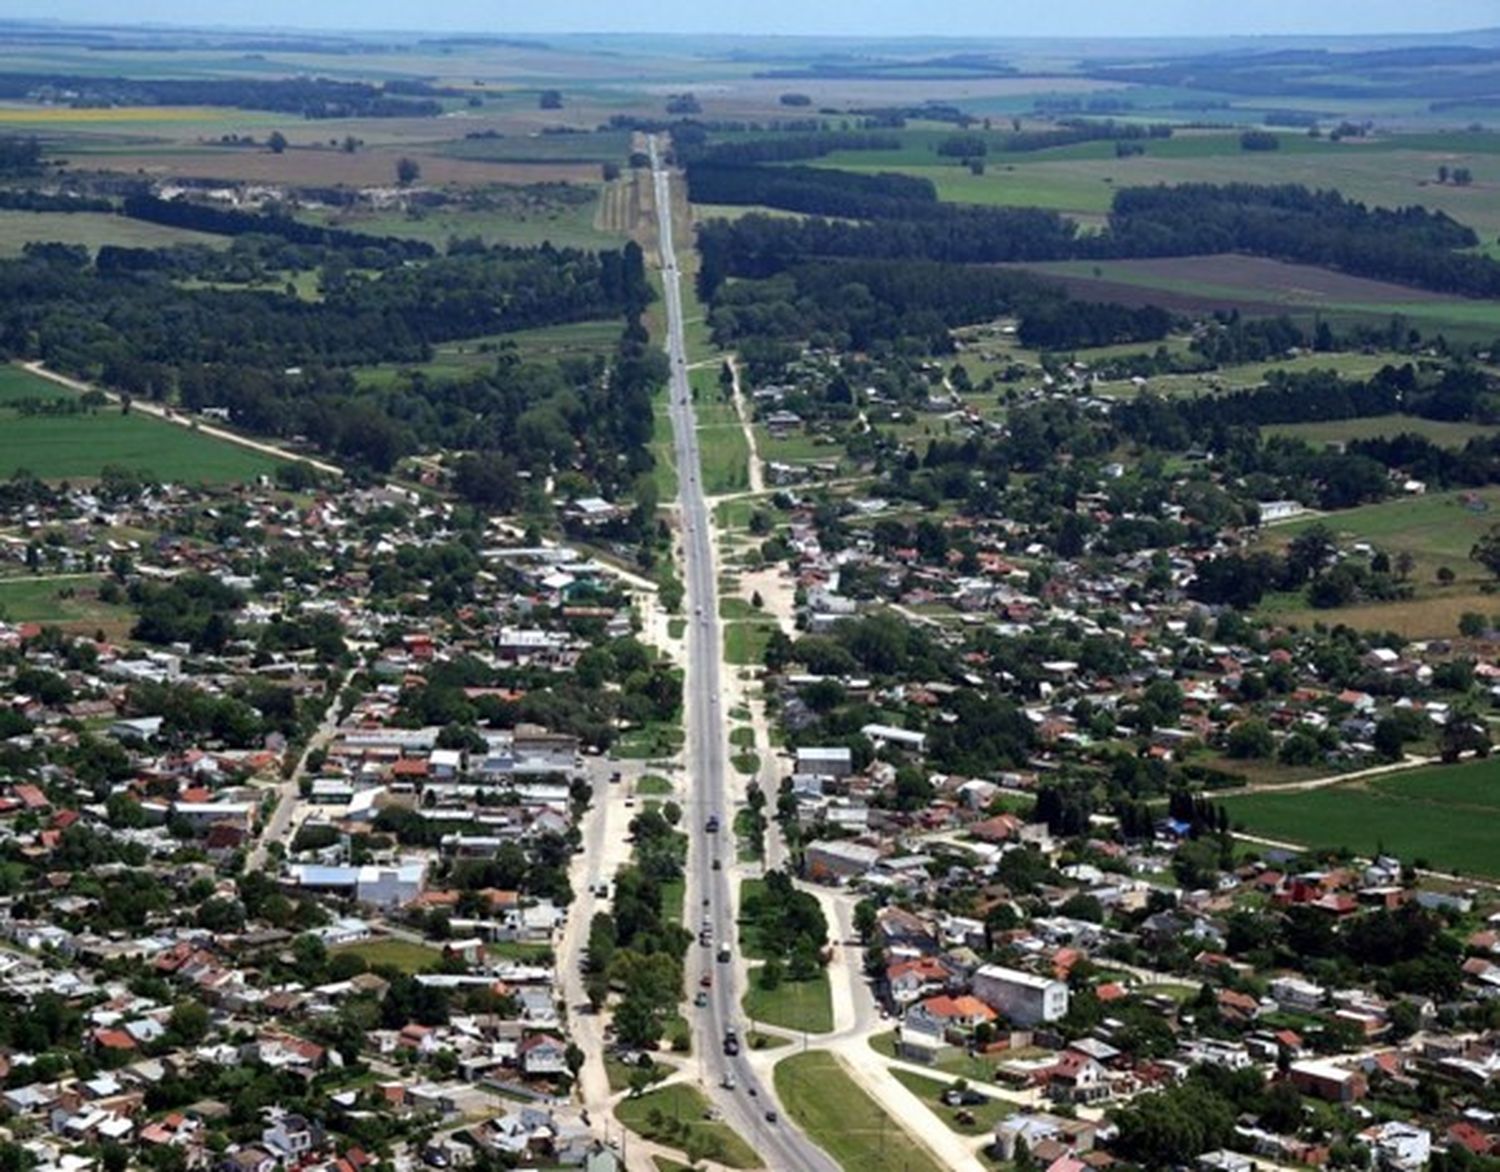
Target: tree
<point x="1486" y="551"/>
<point x="277" y="142"/>
<point x="1251" y="740"/>
<point x="408" y="171"/>
<point x="189" y="1023"/>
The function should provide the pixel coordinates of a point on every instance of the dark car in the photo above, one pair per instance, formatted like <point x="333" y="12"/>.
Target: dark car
<point x="770" y="1116"/>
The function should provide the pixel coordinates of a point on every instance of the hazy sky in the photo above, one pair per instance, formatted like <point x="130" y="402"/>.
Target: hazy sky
<point x="1089" y="18"/>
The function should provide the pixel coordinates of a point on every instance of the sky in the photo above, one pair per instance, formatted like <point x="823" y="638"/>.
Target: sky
<point x="1070" y="18"/>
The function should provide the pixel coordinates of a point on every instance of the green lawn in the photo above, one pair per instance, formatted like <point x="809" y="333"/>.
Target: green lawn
<point x="722" y="449"/>
<point x="930" y="1091"/>
<point x="792" y="1005"/>
<point x="676" y="1117"/>
<point x="78" y="447"/>
<point x="1446" y="815"/>
<point x="843" y="1120"/>
<point x="959" y="1065"/>
<point x="745" y="643"/>
<point x="1439" y="528"/>
<point x="387" y="951"/>
<point x="655" y="740"/>
<point x="652" y="786"/>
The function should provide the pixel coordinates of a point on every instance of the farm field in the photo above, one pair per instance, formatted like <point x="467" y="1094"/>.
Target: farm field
<point x="1446" y="815"/>
<point x="62" y="447"/>
<point x="1390" y="171"/>
<point x="1438" y="431"/>
<point x="842" y="1119"/>
<point x="91" y="229"/>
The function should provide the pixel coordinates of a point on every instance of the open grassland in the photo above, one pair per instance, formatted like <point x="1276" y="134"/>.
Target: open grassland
<point x="792" y="1005"/>
<point x="72" y="603"/>
<point x="92" y="229"/>
<point x="1438" y="431"/>
<point x="745" y="643"/>
<point x="458" y="360"/>
<point x="677" y="1117"/>
<point x="520" y="218"/>
<point x="843" y="1120"/>
<point x="1437" y="528"/>
<point x="1446" y="815"/>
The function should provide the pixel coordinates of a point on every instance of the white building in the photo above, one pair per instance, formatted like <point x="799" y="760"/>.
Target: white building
<point x="832" y="762"/>
<point x="1024" y="998"/>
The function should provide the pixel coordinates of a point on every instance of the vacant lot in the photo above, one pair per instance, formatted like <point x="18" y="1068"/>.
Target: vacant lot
<point x="1448" y="816"/>
<point x="460" y="360"/>
<point x="930" y="1091"/>
<point x="63" y="447"/>
<point x="792" y="1005"/>
<point x="406" y="955"/>
<point x="72" y="603"/>
<point x="1438" y="528"/>
<point x="838" y="1116"/>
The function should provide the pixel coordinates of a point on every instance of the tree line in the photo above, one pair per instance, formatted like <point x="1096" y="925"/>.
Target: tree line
<point x="198" y="217"/>
<point x="310" y="97"/>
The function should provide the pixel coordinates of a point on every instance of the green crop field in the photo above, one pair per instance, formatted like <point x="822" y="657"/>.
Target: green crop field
<point x="845" y="1121"/>
<point x="62" y="447"/>
<point x="1446" y="815"/>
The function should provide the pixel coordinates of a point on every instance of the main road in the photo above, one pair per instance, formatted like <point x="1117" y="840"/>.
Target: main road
<point x="746" y="1106"/>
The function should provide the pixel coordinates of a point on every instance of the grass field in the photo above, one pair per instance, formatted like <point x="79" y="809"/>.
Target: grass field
<point x="843" y="1120"/>
<point x="77" y="447"/>
<point x="91" y="229"/>
<point x="959" y="1065"/>
<point x="460" y="360"/>
<point x="71" y="603"/>
<point x="792" y="1005"/>
<point x="930" y="1091"/>
<point x="676" y="1116"/>
<point x="1438" y="528"/>
<point x="1446" y="815"/>
<point x="1438" y="431"/>
<point x="405" y="955"/>
<point x="745" y="643"/>
<point x="722" y="448"/>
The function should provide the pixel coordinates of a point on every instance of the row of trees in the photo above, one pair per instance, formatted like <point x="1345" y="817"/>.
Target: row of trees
<point x="308" y="97"/>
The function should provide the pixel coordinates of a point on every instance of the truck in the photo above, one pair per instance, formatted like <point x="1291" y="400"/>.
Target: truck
<point x="723" y="954"/>
<point x="731" y="1042"/>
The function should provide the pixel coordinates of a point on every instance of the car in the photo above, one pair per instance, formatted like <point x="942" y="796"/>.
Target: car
<point x="712" y="825"/>
<point x="706" y="980"/>
<point x="717" y="865"/>
<point x="753" y="1091"/>
<point x="728" y="1081"/>
<point x="770" y="1115"/>
<point x="700" y="999"/>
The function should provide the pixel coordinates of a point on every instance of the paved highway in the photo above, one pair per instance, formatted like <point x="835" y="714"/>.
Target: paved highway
<point x="780" y="1145"/>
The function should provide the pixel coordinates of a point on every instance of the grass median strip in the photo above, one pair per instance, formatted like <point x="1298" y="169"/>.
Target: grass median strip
<point x="839" y="1117"/>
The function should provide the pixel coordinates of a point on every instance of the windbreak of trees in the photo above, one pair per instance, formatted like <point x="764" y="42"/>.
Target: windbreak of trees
<point x="1290" y="223"/>
<point x="310" y="97"/>
<point x="911" y="306"/>
<point x="180" y="213"/>
<point x="783" y="149"/>
<point x="19" y="155"/>
<point x="811" y="190"/>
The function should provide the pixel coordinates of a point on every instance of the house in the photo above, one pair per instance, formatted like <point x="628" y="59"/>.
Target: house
<point x="941" y="1015"/>
<point x="1036" y="1128"/>
<point x="1224" y="1161"/>
<point x="1398" y="1145"/>
<point x="825" y="762"/>
<point x="1024" y="998"/>
<point x="542" y="1055"/>
<point x="1326" y="1081"/>
<point x="834" y="861"/>
<point x="290" y="1136"/>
